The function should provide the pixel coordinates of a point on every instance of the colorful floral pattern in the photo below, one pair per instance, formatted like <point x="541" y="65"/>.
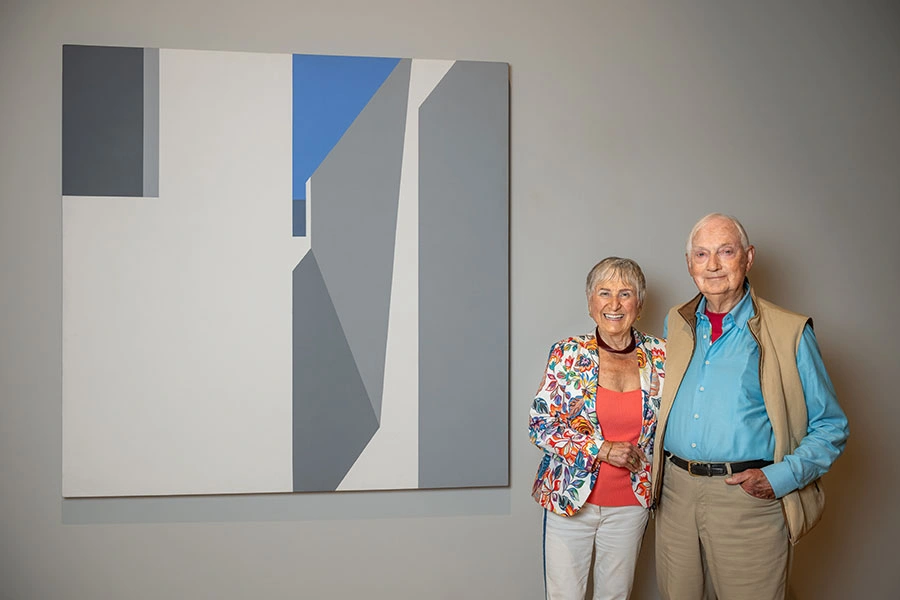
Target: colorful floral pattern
<point x="564" y="421"/>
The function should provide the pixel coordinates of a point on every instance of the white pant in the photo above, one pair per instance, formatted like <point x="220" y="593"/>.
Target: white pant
<point x="611" y="535"/>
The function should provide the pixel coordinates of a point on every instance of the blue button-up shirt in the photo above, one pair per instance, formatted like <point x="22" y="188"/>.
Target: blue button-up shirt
<point x="719" y="415"/>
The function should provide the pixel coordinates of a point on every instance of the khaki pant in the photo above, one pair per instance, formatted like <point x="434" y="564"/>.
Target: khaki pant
<point x="713" y="540"/>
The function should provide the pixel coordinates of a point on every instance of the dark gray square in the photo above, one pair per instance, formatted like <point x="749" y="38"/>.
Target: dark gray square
<point x="102" y="121"/>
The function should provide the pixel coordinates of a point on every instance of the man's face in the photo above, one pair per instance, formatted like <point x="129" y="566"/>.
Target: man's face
<point x="718" y="263"/>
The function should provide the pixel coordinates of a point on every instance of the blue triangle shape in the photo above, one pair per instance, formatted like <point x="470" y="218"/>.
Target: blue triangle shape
<point x="328" y="94"/>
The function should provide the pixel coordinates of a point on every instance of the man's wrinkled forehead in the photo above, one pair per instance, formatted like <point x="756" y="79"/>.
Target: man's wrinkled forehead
<point x="721" y="231"/>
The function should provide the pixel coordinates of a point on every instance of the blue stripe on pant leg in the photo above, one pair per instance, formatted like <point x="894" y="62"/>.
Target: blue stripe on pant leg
<point x="544" y="552"/>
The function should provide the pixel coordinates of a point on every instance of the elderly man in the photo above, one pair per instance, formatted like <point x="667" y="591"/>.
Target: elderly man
<point x="749" y="422"/>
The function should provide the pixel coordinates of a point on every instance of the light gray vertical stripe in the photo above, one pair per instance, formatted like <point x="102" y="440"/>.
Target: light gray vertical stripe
<point x="463" y="278"/>
<point x="151" y="122"/>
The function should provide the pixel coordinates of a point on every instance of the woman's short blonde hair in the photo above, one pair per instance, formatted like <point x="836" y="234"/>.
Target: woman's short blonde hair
<point x="613" y="267"/>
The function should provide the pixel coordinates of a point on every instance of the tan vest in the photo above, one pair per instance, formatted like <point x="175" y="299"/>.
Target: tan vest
<point x="778" y="332"/>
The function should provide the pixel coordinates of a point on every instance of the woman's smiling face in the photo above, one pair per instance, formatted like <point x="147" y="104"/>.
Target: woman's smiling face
<point x="614" y="306"/>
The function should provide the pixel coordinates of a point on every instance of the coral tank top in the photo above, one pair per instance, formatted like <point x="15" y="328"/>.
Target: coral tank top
<point x="619" y="415"/>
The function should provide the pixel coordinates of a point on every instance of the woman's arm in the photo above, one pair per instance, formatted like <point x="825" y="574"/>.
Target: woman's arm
<point x="552" y="428"/>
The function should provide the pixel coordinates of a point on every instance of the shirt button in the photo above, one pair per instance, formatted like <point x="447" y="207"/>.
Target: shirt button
<point x="707" y="362"/>
<point x="696" y="416"/>
<point x="701" y="388"/>
<point x="693" y="445"/>
<point x="704" y="337"/>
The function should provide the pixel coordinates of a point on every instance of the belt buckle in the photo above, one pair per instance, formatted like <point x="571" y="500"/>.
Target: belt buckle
<point x="690" y="469"/>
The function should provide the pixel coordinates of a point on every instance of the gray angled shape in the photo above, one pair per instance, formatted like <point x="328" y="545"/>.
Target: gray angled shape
<point x="151" y="123"/>
<point x="463" y="279"/>
<point x="102" y="121"/>
<point x="332" y="415"/>
<point x="353" y="223"/>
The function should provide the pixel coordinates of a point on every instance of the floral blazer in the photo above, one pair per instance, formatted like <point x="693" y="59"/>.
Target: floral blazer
<point x="564" y="421"/>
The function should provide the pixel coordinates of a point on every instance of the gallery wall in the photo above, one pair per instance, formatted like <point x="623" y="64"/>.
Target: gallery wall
<point x="628" y="121"/>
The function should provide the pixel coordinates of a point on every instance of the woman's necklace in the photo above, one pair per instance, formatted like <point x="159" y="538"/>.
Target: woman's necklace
<point x="608" y="348"/>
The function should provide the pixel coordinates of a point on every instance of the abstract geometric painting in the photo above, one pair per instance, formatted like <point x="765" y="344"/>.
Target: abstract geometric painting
<point x="283" y="273"/>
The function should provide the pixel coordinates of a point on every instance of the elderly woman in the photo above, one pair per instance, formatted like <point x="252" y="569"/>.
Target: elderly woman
<point x="595" y="417"/>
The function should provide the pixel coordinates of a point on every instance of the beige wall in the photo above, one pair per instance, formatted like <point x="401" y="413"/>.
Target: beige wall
<point x="629" y="120"/>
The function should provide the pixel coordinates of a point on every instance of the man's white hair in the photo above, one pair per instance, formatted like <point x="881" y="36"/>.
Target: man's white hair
<point x="745" y="240"/>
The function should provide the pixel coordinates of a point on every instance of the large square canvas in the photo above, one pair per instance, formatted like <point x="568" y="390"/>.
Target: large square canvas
<point x="283" y="273"/>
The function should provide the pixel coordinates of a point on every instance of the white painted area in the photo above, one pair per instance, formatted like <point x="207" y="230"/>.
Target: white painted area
<point x="177" y="310"/>
<point x="308" y="203"/>
<point x="391" y="459"/>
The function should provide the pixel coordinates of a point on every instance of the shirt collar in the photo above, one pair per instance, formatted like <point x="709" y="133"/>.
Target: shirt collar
<point x="740" y="314"/>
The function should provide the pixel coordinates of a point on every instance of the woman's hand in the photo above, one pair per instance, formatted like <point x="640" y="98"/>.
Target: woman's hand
<point x="623" y="454"/>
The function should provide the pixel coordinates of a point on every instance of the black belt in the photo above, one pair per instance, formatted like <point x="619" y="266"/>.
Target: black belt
<point x="709" y="469"/>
